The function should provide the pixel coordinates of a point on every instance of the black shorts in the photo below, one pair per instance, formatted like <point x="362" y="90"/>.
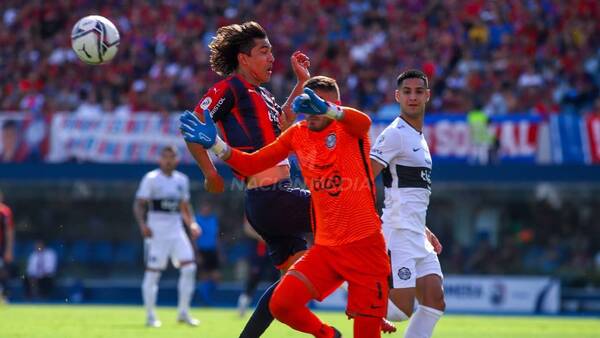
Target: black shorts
<point x="209" y="260"/>
<point x="280" y="214"/>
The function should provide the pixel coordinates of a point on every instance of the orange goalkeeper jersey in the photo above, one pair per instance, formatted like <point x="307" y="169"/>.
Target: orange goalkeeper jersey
<point x="336" y="168"/>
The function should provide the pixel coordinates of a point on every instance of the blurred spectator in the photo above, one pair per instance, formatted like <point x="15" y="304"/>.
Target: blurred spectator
<point x="13" y="149"/>
<point x="89" y="106"/>
<point x="41" y="270"/>
<point x="22" y="140"/>
<point x="482" y="139"/>
<point x="7" y="241"/>
<point x="208" y="251"/>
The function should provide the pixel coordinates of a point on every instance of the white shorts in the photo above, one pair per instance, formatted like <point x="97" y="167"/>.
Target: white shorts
<point x="411" y="256"/>
<point x="158" y="251"/>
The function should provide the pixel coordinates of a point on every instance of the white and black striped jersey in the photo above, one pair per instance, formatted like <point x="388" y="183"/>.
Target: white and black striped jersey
<point x="404" y="153"/>
<point x="164" y="195"/>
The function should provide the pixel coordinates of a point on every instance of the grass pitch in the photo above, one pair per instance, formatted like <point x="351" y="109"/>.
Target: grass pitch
<point x="70" y="321"/>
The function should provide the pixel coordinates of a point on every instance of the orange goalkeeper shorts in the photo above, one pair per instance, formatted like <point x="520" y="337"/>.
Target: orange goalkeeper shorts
<point x="364" y="264"/>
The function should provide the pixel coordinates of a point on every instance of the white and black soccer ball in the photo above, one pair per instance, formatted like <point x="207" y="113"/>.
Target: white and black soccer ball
<point x="95" y="39"/>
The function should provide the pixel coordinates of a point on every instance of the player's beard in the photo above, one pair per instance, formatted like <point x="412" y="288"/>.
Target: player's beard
<point x="414" y="113"/>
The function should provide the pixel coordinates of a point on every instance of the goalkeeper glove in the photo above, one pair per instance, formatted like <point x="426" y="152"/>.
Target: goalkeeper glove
<point x="203" y="133"/>
<point x="310" y="103"/>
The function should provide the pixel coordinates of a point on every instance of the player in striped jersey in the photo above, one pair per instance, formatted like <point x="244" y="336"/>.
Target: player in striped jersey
<point x="248" y="118"/>
<point x="402" y="156"/>
<point x="332" y="147"/>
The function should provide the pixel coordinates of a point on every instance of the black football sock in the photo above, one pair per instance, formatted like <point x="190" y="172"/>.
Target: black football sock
<point x="261" y="317"/>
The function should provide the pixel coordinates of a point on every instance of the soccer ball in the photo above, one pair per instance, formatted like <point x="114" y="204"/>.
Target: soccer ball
<point x="95" y="39"/>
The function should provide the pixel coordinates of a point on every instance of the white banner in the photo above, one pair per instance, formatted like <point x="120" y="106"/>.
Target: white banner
<point x="109" y="139"/>
<point x="498" y="294"/>
<point x="487" y="294"/>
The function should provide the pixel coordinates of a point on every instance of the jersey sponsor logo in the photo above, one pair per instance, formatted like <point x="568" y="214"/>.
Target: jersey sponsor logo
<point x="273" y="109"/>
<point x="331" y="184"/>
<point x="415" y="149"/>
<point x="169" y="205"/>
<point x="274" y="117"/>
<point x="426" y="176"/>
<point x="330" y="141"/>
<point x="165" y="205"/>
<point x="206" y="103"/>
<point x="404" y="273"/>
<point x="408" y="177"/>
<point x="217" y="106"/>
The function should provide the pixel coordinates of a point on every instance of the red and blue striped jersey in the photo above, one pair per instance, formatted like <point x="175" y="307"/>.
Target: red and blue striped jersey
<point x="247" y="115"/>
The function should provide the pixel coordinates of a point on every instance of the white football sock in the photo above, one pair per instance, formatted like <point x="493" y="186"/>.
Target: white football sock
<point x="185" y="287"/>
<point x="149" y="291"/>
<point x="394" y="313"/>
<point x="422" y="322"/>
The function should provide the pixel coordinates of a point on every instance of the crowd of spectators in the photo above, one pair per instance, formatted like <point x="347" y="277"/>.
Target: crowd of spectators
<point x="512" y="56"/>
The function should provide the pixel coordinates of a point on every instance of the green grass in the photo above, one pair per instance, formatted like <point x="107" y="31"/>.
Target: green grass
<point x="68" y="321"/>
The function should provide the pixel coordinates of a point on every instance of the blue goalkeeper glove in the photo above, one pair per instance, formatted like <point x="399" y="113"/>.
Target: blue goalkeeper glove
<point x="310" y="103"/>
<point x="196" y="131"/>
<point x="203" y="133"/>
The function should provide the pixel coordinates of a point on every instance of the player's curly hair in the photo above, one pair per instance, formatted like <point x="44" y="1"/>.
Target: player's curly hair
<point x="324" y="83"/>
<point x="230" y="41"/>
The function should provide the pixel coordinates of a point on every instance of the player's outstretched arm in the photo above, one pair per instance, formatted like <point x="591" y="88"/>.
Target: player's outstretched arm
<point x="213" y="182"/>
<point x="355" y="122"/>
<point x="300" y="63"/>
<point x="205" y="134"/>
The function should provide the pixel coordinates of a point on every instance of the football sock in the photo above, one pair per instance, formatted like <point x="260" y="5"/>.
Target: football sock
<point x="367" y="327"/>
<point x="394" y="313"/>
<point x="261" y="317"/>
<point x="422" y="322"/>
<point x="149" y="291"/>
<point x="185" y="287"/>
<point x="288" y="305"/>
